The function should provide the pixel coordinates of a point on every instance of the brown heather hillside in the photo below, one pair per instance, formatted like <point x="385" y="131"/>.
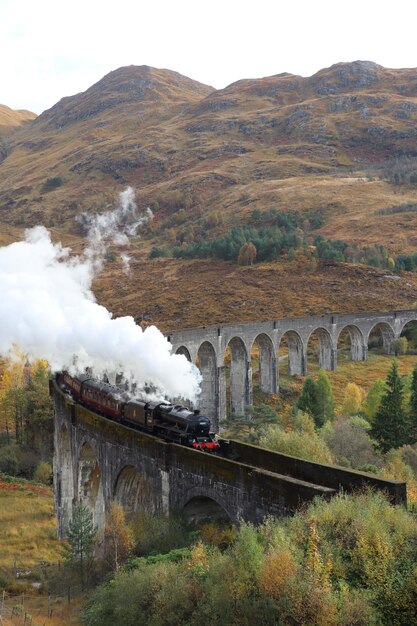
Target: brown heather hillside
<point x="11" y="119"/>
<point x="323" y="143"/>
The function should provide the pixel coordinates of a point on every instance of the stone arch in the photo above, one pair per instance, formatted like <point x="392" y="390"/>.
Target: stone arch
<point x="240" y="377"/>
<point x="358" y="349"/>
<point x="133" y="491"/>
<point x="90" y="488"/>
<point x="267" y="363"/>
<point x="185" y="351"/>
<point x="64" y="487"/>
<point x="386" y="333"/>
<point x="296" y="353"/>
<point x="207" y="364"/>
<point x="326" y="352"/>
<point x="203" y="509"/>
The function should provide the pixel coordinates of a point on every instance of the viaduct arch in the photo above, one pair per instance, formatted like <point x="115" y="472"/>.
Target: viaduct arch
<point x="209" y="346"/>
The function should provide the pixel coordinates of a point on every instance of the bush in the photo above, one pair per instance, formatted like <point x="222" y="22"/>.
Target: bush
<point x="155" y="534"/>
<point x="43" y="473"/>
<point x="53" y="183"/>
<point x="303" y="441"/>
<point x="158" y="252"/>
<point x="10" y="459"/>
<point x="351" y="445"/>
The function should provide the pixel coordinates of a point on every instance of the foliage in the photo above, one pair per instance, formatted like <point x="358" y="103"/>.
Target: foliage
<point x="53" y="183"/>
<point x="325" y="398"/>
<point x="353" y="399"/>
<point x="155" y="534"/>
<point x="413" y="404"/>
<point x="118" y="537"/>
<point x="269" y="243"/>
<point x="317" y="398"/>
<point x="373" y="399"/>
<point x="348" y="561"/>
<point x="26" y="409"/>
<point x="10" y="459"/>
<point x="81" y="535"/>
<point x="157" y="252"/>
<point x="247" y="254"/>
<point x="351" y="445"/>
<point x="298" y="439"/>
<point x="400" y="346"/>
<point x="43" y="473"/>
<point x="391" y="427"/>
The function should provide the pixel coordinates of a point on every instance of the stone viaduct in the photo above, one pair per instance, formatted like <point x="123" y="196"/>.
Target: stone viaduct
<point x="98" y="460"/>
<point x="208" y="346"/>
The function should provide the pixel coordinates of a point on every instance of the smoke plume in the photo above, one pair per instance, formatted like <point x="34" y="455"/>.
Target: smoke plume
<point x="48" y="309"/>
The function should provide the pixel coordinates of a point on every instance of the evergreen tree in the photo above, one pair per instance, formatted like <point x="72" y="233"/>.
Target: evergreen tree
<point x="80" y="536"/>
<point x="391" y="426"/>
<point x="309" y="401"/>
<point x="413" y="406"/>
<point x="325" y="398"/>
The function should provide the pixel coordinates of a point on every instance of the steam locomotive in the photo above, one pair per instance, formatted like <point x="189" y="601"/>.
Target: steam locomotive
<point x="173" y="423"/>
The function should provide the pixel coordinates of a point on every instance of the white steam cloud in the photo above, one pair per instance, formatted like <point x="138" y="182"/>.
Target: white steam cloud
<point x="47" y="309"/>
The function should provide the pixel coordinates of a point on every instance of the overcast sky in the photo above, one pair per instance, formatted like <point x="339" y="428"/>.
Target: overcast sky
<point x="51" y="48"/>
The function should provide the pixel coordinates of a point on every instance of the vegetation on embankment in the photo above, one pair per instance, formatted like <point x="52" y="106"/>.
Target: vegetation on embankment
<point x="350" y="561"/>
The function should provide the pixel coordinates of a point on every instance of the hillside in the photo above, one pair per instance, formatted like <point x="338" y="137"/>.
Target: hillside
<point x="335" y="144"/>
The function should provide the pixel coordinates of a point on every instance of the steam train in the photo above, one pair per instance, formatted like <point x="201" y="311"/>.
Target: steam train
<point x="171" y="422"/>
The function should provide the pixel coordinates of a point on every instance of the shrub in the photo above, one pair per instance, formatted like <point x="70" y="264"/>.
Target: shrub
<point x="53" y="183"/>
<point x="43" y="473"/>
<point x="304" y="443"/>
<point x="154" y="534"/>
<point x="10" y="459"/>
<point x="351" y="445"/>
<point x="158" y="252"/>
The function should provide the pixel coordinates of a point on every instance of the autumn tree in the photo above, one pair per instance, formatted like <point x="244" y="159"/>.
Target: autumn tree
<point x="391" y="427"/>
<point x="25" y="403"/>
<point x="118" y="537"/>
<point x="39" y="418"/>
<point x="353" y="399"/>
<point x="12" y="394"/>
<point x="247" y="254"/>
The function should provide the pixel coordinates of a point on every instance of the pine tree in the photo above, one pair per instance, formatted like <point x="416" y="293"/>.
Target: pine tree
<point x="391" y="426"/>
<point x="308" y="400"/>
<point x="81" y="534"/>
<point x="325" y="398"/>
<point x="413" y="405"/>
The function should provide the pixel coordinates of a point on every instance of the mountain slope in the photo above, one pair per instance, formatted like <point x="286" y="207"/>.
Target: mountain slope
<point x="204" y="160"/>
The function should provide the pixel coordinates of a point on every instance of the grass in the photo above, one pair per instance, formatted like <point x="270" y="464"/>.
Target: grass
<point x="27" y="525"/>
<point x="27" y="539"/>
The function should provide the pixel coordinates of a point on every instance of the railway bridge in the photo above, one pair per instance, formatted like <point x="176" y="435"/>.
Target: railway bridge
<point x="98" y="460"/>
<point x="210" y="346"/>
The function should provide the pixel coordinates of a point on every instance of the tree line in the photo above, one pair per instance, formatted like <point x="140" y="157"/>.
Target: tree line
<point x="26" y="416"/>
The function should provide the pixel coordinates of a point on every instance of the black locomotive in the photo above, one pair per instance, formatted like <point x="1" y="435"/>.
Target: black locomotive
<point x="171" y="422"/>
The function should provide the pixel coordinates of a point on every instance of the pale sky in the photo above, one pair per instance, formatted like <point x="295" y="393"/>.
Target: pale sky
<point x="55" y="48"/>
